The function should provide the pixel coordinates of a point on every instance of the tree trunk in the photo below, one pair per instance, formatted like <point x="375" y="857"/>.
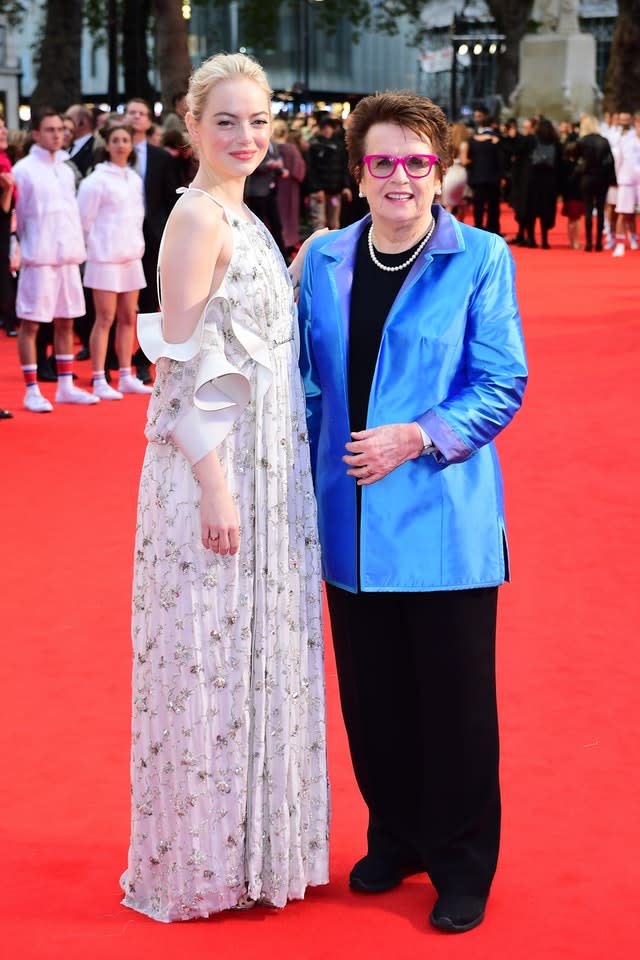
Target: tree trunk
<point x="512" y="19"/>
<point x="58" y="82"/>
<point x="622" y="80"/>
<point x="172" y="49"/>
<point x="135" y="57"/>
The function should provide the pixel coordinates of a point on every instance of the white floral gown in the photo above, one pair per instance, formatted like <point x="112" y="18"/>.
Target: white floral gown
<point x="228" y="770"/>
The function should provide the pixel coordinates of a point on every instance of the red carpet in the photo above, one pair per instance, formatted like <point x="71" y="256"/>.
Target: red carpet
<point x="569" y="674"/>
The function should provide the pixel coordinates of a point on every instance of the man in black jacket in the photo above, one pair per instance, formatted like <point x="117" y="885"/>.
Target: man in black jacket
<point x="159" y="175"/>
<point x="327" y="171"/>
<point x="82" y="149"/>
<point x="484" y="172"/>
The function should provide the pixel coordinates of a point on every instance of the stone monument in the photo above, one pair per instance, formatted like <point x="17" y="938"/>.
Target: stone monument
<point x="557" y="65"/>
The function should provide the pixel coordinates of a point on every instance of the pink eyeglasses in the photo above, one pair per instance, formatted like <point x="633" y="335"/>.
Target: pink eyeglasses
<point x="416" y="165"/>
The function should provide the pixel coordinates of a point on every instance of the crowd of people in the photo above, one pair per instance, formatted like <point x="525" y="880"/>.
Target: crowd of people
<point x="303" y="184"/>
<point x="592" y="167"/>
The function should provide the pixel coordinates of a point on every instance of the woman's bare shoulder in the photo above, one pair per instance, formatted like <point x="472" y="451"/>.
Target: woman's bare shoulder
<point x="195" y="211"/>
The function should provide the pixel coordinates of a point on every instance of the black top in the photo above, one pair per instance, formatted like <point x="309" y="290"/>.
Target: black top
<point x="372" y="295"/>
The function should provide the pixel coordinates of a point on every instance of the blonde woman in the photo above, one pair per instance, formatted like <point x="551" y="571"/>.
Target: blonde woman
<point x="229" y="788"/>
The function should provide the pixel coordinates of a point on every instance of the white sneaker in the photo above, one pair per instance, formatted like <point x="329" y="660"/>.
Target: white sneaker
<point x="619" y="250"/>
<point x="633" y="243"/>
<point x="131" y="384"/>
<point x="102" y="389"/>
<point x="36" y="403"/>
<point x="75" y="395"/>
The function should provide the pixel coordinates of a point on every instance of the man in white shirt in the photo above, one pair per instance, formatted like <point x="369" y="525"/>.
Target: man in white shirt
<point x="626" y="153"/>
<point x="52" y="247"/>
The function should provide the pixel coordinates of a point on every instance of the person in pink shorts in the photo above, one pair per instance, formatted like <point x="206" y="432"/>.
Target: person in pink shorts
<point x="52" y="246"/>
<point x="112" y="212"/>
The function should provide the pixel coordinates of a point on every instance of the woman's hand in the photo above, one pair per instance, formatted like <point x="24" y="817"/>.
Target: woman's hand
<point x="376" y="452"/>
<point x="219" y="524"/>
<point x="14" y="254"/>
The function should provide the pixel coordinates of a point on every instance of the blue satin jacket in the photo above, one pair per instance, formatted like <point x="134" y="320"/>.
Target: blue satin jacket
<point x="451" y="358"/>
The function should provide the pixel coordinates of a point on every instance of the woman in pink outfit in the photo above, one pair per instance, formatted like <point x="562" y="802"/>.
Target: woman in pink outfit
<point x="112" y="210"/>
<point x="288" y="196"/>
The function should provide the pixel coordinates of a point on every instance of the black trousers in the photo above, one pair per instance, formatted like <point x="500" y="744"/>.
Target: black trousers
<point x="594" y="194"/>
<point x="487" y="195"/>
<point x="416" y="673"/>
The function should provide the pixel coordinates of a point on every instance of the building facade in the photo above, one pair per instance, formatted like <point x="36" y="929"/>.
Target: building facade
<point x="309" y="67"/>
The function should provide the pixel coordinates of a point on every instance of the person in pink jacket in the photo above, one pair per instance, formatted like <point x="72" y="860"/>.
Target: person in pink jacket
<point x="112" y="211"/>
<point x="52" y="247"/>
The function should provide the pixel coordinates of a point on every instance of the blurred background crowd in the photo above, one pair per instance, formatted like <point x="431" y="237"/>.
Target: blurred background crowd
<point x="587" y="172"/>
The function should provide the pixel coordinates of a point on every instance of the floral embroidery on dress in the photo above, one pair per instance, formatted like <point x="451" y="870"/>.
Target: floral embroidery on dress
<point x="228" y="766"/>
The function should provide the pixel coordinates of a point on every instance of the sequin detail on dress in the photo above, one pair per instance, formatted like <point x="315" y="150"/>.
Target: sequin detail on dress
<point x="229" y="780"/>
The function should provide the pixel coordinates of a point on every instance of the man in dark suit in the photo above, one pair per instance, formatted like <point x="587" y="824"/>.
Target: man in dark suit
<point x="158" y="171"/>
<point x="484" y="172"/>
<point x="83" y="146"/>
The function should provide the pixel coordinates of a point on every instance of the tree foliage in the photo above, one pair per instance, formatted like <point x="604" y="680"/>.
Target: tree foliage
<point x="58" y="82"/>
<point x="134" y="22"/>
<point x="14" y="11"/>
<point x="174" y="63"/>
<point x="260" y="18"/>
<point x="622" y="81"/>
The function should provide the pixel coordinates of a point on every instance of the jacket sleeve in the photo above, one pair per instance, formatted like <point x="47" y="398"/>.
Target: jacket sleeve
<point x="24" y="198"/>
<point x="488" y="392"/>
<point x="307" y="364"/>
<point x="89" y="197"/>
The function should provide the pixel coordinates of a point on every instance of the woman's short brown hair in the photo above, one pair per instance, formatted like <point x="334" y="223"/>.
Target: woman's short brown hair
<point x="405" y="109"/>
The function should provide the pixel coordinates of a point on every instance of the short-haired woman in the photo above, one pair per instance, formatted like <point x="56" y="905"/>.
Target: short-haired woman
<point x="413" y="361"/>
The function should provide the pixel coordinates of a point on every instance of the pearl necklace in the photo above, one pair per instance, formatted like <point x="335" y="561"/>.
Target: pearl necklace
<point x="407" y="263"/>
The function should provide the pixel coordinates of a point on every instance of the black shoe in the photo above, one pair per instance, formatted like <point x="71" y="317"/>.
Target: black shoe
<point x="457" y="913"/>
<point x="588" y="248"/>
<point x="517" y="241"/>
<point x="6" y="415"/>
<point x="545" y="246"/>
<point x="598" y="248"/>
<point x="372" y="874"/>
<point x="45" y="374"/>
<point x="83" y="354"/>
<point x="143" y="372"/>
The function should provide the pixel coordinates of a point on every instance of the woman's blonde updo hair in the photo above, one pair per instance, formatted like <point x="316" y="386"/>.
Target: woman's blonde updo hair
<point x="222" y="66"/>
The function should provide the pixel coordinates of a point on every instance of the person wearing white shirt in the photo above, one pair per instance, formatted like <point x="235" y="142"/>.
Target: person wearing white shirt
<point x="626" y="153"/>
<point x="52" y="246"/>
<point x="112" y="213"/>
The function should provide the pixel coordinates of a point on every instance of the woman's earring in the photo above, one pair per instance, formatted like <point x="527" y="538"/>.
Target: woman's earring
<point x="360" y="193"/>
